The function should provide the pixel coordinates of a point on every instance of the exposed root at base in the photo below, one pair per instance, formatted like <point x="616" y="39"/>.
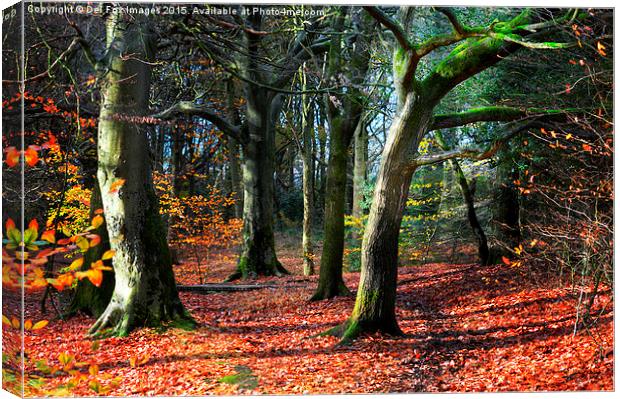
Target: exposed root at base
<point x="352" y="329"/>
<point x="323" y="293"/>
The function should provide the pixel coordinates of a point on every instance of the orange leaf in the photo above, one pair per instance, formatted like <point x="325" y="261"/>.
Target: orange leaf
<point x="64" y="241"/>
<point x="114" y="187"/>
<point x="15" y="322"/>
<point x="506" y="260"/>
<point x="49" y="236"/>
<point x="93" y="369"/>
<point x="586" y="147"/>
<point x="28" y="325"/>
<point x="94" y="275"/>
<point x="31" y="155"/>
<point x="33" y="225"/>
<point x="97" y="221"/>
<point x="12" y="156"/>
<point x="10" y="224"/>
<point x="95" y="241"/>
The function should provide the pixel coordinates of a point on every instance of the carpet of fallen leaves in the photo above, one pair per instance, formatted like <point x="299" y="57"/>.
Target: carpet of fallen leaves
<point x="468" y="328"/>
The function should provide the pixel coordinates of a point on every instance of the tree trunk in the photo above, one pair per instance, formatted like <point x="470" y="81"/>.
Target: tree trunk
<point x="344" y="111"/>
<point x="506" y="218"/>
<point x="322" y="150"/>
<point x="376" y="295"/>
<point x="235" y="176"/>
<point x="331" y="283"/>
<point x="145" y="292"/>
<point x="233" y="151"/>
<point x="88" y="298"/>
<point x="258" y="255"/>
<point x="307" y="125"/>
<point x="360" y="165"/>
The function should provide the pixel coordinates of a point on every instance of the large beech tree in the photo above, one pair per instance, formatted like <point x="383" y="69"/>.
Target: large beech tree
<point x="477" y="48"/>
<point x="264" y="86"/>
<point x="145" y="290"/>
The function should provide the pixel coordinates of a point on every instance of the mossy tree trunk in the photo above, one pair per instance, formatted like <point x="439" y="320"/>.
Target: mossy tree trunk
<point x="88" y="298"/>
<point x="344" y="111"/>
<point x="374" y="308"/>
<point x="145" y="291"/>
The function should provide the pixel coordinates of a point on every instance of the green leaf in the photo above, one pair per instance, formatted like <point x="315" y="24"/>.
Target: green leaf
<point x="30" y="235"/>
<point x="15" y="236"/>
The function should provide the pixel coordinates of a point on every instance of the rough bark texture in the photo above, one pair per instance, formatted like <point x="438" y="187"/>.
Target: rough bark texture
<point x="88" y="298"/>
<point x="145" y="290"/>
<point x="376" y="295"/>
<point x="331" y="283"/>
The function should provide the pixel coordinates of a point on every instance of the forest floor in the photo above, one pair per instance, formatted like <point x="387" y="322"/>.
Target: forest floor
<point x="468" y="328"/>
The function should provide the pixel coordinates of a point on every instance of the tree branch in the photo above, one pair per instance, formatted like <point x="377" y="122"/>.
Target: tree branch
<point x="483" y="114"/>
<point x="201" y="111"/>
<point x="456" y="24"/>
<point x="488" y="114"/>
<point x="47" y="73"/>
<point x="392" y="25"/>
<point x="469" y="153"/>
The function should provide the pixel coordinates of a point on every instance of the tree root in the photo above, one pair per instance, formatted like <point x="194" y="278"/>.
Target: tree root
<point x="277" y="270"/>
<point x="118" y="321"/>
<point x="329" y="292"/>
<point x="351" y="329"/>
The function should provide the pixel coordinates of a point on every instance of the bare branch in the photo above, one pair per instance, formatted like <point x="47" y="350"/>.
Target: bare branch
<point x="392" y="25"/>
<point x="201" y="111"/>
<point x="469" y="153"/>
<point x="47" y="73"/>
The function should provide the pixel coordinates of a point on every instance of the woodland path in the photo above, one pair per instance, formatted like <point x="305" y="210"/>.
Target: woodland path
<point x="468" y="328"/>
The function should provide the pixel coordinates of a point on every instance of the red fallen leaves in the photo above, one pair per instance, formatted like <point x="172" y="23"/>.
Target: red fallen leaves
<point x="469" y="328"/>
